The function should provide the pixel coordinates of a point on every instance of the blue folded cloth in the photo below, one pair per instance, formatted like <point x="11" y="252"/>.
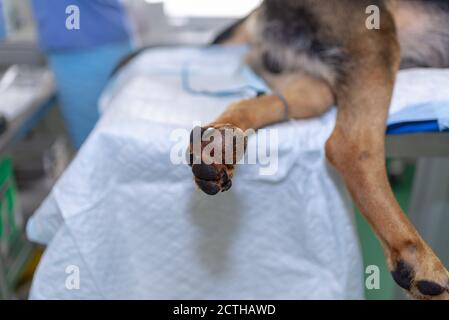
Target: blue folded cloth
<point x="414" y="127"/>
<point x="425" y="117"/>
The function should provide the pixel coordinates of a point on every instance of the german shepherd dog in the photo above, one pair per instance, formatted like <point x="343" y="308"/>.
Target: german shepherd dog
<point x="319" y="53"/>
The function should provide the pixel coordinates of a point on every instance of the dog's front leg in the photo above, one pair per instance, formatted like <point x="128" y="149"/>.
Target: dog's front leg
<point x="356" y="149"/>
<point x="305" y="96"/>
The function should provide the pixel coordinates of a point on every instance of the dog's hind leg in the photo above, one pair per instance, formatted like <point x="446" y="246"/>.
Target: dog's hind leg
<point x="356" y="150"/>
<point x="305" y="96"/>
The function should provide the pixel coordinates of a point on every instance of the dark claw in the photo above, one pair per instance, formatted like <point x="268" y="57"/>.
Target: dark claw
<point x="226" y="183"/>
<point x="429" y="288"/>
<point x="403" y="275"/>
<point x="205" y="172"/>
<point x="209" y="187"/>
<point x="226" y="186"/>
<point x="224" y="177"/>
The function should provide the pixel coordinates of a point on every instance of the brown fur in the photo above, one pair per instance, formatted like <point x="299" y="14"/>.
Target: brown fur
<point x="360" y="81"/>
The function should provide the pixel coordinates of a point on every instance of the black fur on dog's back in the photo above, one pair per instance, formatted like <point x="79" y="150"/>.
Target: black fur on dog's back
<point x="299" y="27"/>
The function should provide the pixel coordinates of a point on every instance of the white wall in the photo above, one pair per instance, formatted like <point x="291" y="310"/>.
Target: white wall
<point x="208" y="8"/>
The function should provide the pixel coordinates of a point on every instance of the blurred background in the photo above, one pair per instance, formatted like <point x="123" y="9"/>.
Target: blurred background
<point x="35" y="145"/>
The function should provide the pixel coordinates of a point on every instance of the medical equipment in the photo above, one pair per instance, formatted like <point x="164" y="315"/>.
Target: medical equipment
<point x="27" y="94"/>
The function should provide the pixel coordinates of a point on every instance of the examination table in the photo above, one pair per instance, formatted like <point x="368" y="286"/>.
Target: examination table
<point x="127" y="221"/>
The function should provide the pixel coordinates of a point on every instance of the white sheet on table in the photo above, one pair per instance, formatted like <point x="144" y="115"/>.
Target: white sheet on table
<point x="137" y="228"/>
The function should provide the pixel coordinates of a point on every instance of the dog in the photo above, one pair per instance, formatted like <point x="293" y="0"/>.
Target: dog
<point x="318" y="53"/>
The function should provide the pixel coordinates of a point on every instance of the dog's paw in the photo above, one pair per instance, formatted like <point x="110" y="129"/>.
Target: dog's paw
<point x="213" y="153"/>
<point x="212" y="179"/>
<point x="421" y="274"/>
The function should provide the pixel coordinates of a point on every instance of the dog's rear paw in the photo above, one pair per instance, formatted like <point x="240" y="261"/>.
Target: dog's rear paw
<point x="422" y="275"/>
<point x="213" y="153"/>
